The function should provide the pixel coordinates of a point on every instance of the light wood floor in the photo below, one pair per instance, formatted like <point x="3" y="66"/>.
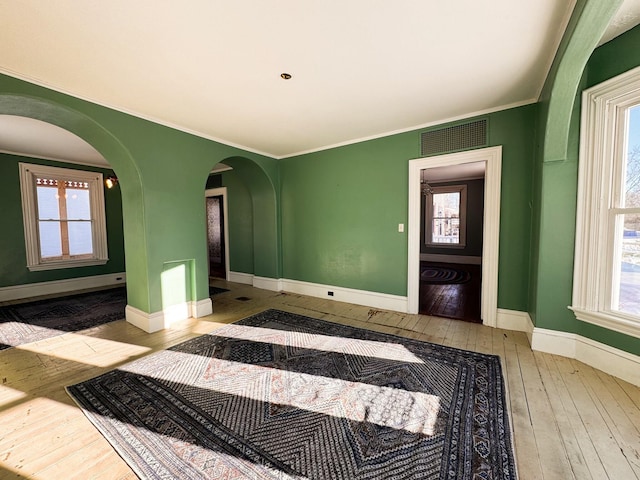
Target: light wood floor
<point x="569" y="420"/>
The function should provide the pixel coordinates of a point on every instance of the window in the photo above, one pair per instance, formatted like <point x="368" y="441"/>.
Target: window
<point x="445" y="223"/>
<point x="64" y="221"/>
<point x="607" y="264"/>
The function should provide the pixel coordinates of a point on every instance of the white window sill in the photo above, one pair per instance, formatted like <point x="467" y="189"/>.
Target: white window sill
<point x="66" y="264"/>
<point x="608" y="320"/>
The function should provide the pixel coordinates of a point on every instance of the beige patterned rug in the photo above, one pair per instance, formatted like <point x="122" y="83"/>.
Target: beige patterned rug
<point x="283" y="396"/>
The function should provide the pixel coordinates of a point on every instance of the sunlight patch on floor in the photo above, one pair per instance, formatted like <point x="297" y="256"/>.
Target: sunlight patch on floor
<point x="88" y="350"/>
<point x="325" y="343"/>
<point x="391" y="407"/>
<point x="10" y="395"/>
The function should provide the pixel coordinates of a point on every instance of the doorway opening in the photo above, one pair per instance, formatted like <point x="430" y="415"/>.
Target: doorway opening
<point x="452" y="217"/>
<point x="492" y="158"/>
<point x="217" y="233"/>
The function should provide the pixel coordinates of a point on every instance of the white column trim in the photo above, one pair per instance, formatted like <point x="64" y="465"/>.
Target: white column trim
<point x="149" y="322"/>
<point x="201" y="308"/>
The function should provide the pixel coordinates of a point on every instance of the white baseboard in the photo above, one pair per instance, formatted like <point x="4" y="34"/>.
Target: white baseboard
<point x="464" y="259"/>
<point x="341" y="294"/>
<point x="515" y="320"/>
<point x="175" y="313"/>
<point x="29" y="290"/>
<point x="201" y="308"/>
<point x="154" y="322"/>
<point x="273" y="284"/>
<point x="149" y="322"/>
<point x="265" y="283"/>
<point x="611" y="360"/>
<point x="359" y="297"/>
<point x="239" y="277"/>
<point x="553" y="341"/>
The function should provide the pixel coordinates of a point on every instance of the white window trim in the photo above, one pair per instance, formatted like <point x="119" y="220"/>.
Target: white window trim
<point x="462" y="189"/>
<point x="599" y="165"/>
<point x="28" y="175"/>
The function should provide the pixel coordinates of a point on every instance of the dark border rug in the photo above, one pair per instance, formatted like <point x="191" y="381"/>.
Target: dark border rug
<point x="29" y="322"/>
<point x="283" y="396"/>
<point x="445" y="275"/>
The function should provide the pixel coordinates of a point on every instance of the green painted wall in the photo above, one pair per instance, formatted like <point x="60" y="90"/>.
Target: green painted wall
<point x="556" y="176"/>
<point x="13" y="270"/>
<point x="264" y="214"/>
<point x="162" y="175"/>
<point x="614" y="57"/>
<point x="240" y="221"/>
<point x="341" y="209"/>
<point x="340" y="214"/>
<point x="611" y="59"/>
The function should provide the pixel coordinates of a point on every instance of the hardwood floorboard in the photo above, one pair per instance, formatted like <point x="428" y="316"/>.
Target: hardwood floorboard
<point x="623" y="430"/>
<point x="459" y="301"/>
<point x="526" y="449"/>
<point x="567" y="418"/>
<point x="551" y="449"/>
<point x="569" y="421"/>
<point x="599" y="432"/>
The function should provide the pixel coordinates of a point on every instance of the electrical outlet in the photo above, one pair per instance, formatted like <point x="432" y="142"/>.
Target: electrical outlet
<point x="401" y="227"/>
<point x="330" y="294"/>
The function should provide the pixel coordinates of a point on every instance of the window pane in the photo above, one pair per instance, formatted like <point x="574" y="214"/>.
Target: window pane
<point x="446" y="204"/>
<point x="80" y="240"/>
<point x="48" y="203"/>
<point x="629" y="284"/>
<point x="446" y="230"/>
<point x="632" y="183"/>
<point x="50" y="239"/>
<point x="446" y="218"/>
<point x="78" y="206"/>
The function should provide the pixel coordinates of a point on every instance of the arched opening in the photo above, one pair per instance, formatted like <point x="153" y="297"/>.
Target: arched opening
<point x="120" y="162"/>
<point x="253" y="223"/>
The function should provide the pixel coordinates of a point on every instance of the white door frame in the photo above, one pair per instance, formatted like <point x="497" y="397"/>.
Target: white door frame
<point x="221" y="192"/>
<point x="492" y="157"/>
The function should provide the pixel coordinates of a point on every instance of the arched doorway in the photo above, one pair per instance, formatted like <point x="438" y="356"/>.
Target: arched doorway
<point x="253" y="234"/>
<point x="120" y="161"/>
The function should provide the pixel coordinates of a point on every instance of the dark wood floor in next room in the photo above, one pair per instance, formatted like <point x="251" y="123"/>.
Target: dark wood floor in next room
<point x="459" y="301"/>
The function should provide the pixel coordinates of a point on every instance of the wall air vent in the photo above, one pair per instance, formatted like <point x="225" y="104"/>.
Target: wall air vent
<point x="457" y="137"/>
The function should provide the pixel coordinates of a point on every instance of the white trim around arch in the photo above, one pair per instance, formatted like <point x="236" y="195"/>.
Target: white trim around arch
<point x="492" y="156"/>
<point x="217" y="192"/>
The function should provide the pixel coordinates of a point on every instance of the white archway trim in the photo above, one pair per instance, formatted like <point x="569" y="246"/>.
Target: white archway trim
<point x="492" y="156"/>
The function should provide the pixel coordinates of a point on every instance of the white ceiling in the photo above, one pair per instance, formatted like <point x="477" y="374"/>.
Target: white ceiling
<point x="361" y="68"/>
<point x="466" y="171"/>
<point x="21" y="135"/>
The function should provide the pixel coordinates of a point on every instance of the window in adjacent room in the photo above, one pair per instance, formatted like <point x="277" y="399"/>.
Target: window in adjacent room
<point x="446" y="216"/>
<point x="607" y="266"/>
<point x="64" y="219"/>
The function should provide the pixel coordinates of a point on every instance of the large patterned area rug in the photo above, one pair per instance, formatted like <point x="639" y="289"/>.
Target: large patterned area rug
<point x="33" y="321"/>
<point x="283" y="396"/>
